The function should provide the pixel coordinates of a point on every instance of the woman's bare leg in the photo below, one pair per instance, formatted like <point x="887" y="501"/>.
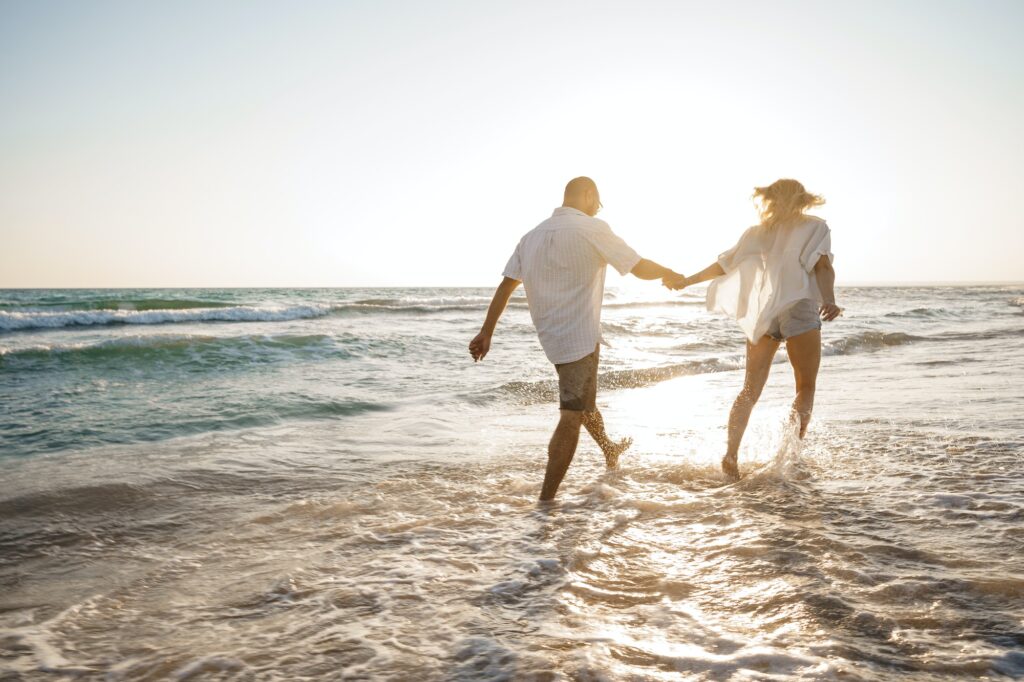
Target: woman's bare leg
<point x="805" y="355"/>
<point x="759" y="363"/>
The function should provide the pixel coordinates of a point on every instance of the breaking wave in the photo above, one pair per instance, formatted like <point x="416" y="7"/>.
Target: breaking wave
<point x="920" y="313"/>
<point x="233" y="413"/>
<point x="871" y="340"/>
<point x="532" y="392"/>
<point x="546" y="391"/>
<point x="182" y="349"/>
<point x="17" y="321"/>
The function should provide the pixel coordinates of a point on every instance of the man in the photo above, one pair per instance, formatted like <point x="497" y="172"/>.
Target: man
<point x="562" y="264"/>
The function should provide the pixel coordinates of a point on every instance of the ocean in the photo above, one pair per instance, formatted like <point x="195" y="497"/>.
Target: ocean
<point x="311" y="484"/>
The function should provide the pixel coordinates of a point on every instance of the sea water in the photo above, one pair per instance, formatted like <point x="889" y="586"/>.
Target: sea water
<point x="277" y="484"/>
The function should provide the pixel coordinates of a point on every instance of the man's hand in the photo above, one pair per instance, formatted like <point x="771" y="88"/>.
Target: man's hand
<point x="479" y="346"/>
<point x="675" y="281"/>
<point x="829" y="311"/>
<point x="481" y="343"/>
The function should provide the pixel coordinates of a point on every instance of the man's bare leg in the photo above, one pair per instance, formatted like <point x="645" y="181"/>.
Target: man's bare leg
<point x="804" y="353"/>
<point x="759" y="363"/>
<point x="594" y="423"/>
<point x="560" y="451"/>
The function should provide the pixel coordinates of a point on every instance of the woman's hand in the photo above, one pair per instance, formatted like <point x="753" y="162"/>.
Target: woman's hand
<point x="829" y="311"/>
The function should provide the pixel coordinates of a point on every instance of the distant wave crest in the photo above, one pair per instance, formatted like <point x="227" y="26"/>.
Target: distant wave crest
<point x="137" y="304"/>
<point x="384" y="308"/>
<point x="112" y="311"/>
<point x="656" y="304"/>
<point x="16" y="321"/>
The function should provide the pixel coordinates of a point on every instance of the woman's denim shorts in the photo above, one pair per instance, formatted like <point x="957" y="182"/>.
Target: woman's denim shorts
<point x="799" y="318"/>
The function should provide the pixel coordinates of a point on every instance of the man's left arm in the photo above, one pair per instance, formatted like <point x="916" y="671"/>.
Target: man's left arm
<point x="648" y="269"/>
<point x="623" y="258"/>
<point x="481" y="343"/>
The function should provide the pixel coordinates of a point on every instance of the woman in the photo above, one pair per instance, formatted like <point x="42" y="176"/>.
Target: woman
<point x="777" y="282"/>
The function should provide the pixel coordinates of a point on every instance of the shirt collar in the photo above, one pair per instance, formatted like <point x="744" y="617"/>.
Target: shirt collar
<point x="562" y="210"/>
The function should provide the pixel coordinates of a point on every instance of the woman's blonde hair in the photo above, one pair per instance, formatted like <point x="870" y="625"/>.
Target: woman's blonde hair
<point x="783" y="200"/>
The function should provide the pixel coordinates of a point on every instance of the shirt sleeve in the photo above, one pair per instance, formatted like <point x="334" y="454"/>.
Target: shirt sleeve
<point x="820" y="244"/>
<point x="612" y="248"/>
<point x="514" y="268"/>
<point x="730" y="259"/>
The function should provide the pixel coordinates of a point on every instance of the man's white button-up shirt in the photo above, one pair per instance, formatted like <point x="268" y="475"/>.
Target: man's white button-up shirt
<point x="562" y="264"/>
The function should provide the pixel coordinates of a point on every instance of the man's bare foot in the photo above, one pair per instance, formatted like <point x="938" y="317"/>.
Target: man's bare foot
<point x="611" y="454"/>
<point x="730" y="467"/>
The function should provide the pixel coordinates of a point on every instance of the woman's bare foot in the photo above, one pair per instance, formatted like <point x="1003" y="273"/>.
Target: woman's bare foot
<point x="612" y="452"/>
<point x="730" y="467"/>
<point x="804" y="420"/>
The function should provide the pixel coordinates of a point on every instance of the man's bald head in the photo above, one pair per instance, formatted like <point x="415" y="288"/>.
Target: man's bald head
<point x="581" y="193"/>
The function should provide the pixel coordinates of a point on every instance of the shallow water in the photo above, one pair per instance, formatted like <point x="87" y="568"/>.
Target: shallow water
<point x="344" y="494"/>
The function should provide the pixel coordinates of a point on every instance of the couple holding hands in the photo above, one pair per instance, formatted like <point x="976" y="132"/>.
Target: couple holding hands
<point x="776" y="282"/>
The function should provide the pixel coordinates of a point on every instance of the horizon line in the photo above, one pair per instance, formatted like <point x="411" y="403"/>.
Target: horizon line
<point x="859" y="283"/>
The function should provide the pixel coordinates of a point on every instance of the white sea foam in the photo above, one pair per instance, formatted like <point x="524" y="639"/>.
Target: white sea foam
<point x="15" y="321"/>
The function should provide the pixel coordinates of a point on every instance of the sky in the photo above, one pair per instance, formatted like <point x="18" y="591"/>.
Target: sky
<point x="196" y="144"/>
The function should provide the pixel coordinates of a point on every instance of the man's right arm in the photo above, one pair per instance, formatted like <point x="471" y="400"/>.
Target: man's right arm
<point x="481" y="343"/>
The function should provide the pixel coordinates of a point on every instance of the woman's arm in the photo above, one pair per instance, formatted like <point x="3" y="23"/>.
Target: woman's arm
<point x="680" y="282"/>
<point x="710" y="272"/>
<point x="826" y="278"/>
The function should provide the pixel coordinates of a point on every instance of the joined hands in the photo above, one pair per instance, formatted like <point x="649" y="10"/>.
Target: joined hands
<point x="675" y="281"/>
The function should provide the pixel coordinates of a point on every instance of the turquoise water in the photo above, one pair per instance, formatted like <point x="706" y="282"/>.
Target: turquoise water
<point x="278" y="483"/>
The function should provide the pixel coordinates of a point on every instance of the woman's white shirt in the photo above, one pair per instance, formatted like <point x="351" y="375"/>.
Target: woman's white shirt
<point x="769" y="269"/>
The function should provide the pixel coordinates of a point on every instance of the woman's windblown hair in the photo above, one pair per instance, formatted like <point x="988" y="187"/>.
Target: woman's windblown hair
<point x="784" y="200"/>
